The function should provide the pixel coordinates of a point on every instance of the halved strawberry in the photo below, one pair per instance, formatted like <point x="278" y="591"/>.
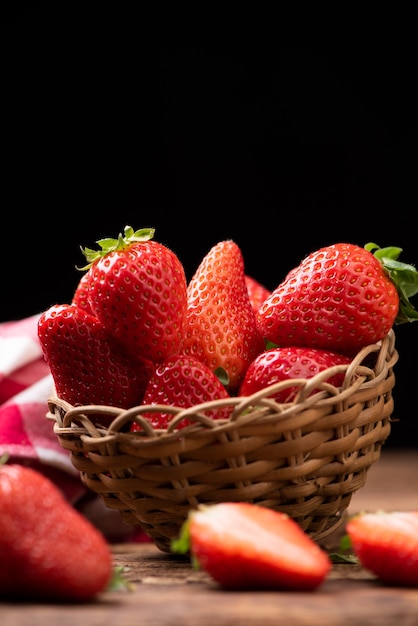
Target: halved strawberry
<point x="386" y="543"/>
<point x="247" y="546"/>
<point x="279" y="364"/>
<point x="182" y="381"/>
<point x="221" y="330"/>
<point x="341" y="297"/>
<point x="137" y="288"/>
<point x="87" y="364"/>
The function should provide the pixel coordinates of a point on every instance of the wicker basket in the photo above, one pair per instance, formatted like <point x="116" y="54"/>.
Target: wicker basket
<point x="306" y="458"/>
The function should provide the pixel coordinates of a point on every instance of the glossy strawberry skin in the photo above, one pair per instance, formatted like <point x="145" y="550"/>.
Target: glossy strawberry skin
<point x="386" y="544"/>
<point x="245" y="546"/>
<point x="48" y="550"/>
<point x="87" y="364"/>
<point x="182" y="381"/>
<point x="257" y="292"/>
<point x="81" y="294"/>
<point x="139" y="293"/>
<point x="279" y="364"/>
<point x="339" y="298"/>
<point x="221" y="329"/>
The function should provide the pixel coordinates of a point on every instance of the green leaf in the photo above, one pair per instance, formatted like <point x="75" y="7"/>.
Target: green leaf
<point x="181" y="545"/>
<point x="222" y="374"/>
<point x="403" y="275"/>
<point x="336" y="557"/>
<point x="118" y="582"/>
<point x="109" y="244"/>
<point x="344" y="555"/>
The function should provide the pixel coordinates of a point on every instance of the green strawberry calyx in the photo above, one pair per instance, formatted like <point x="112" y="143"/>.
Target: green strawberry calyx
<point x="109" y="244"/>
<point x="182" y="543"/>
<point x="403" y="275"/>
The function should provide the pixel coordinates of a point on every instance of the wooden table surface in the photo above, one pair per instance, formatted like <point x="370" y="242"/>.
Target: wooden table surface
<point x="167" y="591"/>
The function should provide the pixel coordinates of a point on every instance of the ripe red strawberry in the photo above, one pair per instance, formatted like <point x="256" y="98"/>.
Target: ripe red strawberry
<point x="182" y="381"/>
<point x="341" y="297"/>
<point x="246" y="546"/>
<point x="386" y="543"/>
<point x="49" y="552"/>
<point x="256" y="291"/>
<point x="80" y="297"/>
<point x="87" y="364"/>
<point x="137" y="288"/>
<point x="221" y="330"/>
<point x="279" y="364"/>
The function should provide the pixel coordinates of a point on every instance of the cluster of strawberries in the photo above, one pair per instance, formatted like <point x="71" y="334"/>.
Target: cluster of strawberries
<point x="137" y="333"/>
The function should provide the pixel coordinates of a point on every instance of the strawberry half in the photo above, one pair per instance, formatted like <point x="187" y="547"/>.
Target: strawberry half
<point x="221" y="329"/>
<point x="341" y="297"/>
<point x="386" y="543"/>
<point x="279" y="364"/>
<point x="246" y="546"/>
<point x="182" y="381"/>
<point x="137" y="288"/>
<point x="87" y="364"/>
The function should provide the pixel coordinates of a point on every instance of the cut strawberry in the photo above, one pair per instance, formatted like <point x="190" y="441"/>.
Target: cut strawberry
<point x="386" y="543"/>
<point x="246" y="546"/>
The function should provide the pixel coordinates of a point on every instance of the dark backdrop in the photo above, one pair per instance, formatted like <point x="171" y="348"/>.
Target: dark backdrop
<point x="282" y="137"/>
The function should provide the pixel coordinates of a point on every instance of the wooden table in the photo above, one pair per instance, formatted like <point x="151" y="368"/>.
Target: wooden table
<point x="167" y="591"/>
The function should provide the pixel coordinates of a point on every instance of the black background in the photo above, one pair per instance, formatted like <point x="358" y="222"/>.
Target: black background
<point x="282" y="132"/>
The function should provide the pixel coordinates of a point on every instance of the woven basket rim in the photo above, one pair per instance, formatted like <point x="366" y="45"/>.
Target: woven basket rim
<point x="258" y="407"/>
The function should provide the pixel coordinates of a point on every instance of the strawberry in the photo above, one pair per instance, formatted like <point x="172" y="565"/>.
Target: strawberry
<point x="87" y="364"/>
<point x="80" y="297"/>
<point x="279" y="364"/>
<point x="182" y="381"/>
<point x="256" y="291"/>
<point x="137" y="288"/>
<point x="221" y="329"/>
<point x="247" y="546"/>
<point x="48" y="550"/>
<point x="386" y="543"/>
<point x="341" y="298"/>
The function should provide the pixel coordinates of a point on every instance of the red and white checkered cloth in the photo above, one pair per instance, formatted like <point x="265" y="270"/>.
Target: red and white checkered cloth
<point x="27" y="436"/>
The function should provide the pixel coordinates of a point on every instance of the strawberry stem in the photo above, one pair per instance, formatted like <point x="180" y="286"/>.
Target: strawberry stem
<point x="403" y="275"/>
<point x="110" y="245"/>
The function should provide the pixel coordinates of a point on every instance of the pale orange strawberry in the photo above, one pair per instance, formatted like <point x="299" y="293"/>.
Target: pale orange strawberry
<point x="221" y="328"/>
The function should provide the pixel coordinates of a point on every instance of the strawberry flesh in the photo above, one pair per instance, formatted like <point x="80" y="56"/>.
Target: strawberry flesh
<point x="244" y="546"/>
<point x="386" y="544"/>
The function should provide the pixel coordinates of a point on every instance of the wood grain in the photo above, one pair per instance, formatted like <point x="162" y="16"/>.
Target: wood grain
<point x="168" y="592"/>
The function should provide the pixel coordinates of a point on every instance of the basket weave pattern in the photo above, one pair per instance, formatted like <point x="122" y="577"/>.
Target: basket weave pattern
<point x="305" y="458"/>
